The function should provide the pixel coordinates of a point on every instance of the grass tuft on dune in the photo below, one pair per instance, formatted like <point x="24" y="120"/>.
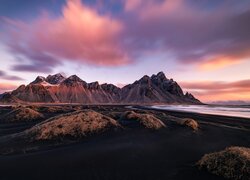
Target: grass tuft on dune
<point x="231" y="163"/>
<point x="19" y="114"/>
<point x="147" y="120"/>
<point x="76" y="124"/>
<point x="189" y="123"/>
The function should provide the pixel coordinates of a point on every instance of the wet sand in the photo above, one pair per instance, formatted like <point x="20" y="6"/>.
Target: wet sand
<point x="132" y="153"/>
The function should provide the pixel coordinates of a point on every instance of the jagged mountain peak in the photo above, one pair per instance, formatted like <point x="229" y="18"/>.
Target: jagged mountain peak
<point x="74" y="78"/>
<point x="110" y="87"/>
<point x="55" y="79"/>
<point x="38" y="79"/>
<point x="94" y="85"/>
<point x="56" y="75"/>
<point x="95" y="82"/>
<point x="57" y="88"/>
<point x="160" y="79"/>
<point x="189" y="95"/>
<point x="145" y="79"/>
<point x="161" y="75"/>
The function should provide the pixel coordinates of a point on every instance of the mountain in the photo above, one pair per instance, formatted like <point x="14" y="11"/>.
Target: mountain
<point x="59" y="89"/>
<point x="155" y="89"/>
<point x="55" y="79"/>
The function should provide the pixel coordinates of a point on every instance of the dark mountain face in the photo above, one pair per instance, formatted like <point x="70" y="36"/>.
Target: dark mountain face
<point x="94" y="85"/>
<point x="38" y="80"/>
<point x="55" y="79"/>
<point x="33" y="93"/>
<point x="168" y="85"/>
<point x="110" y="88"/>
<point x="58" y="89"/>
<point x="9" y="98"/>
<point x="73" y="81"/>
<point x="155" y="89"/>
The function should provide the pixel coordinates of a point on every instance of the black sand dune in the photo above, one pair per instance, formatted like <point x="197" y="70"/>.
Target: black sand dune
<point x="20" y="114"/>
<point x="168" y="153"/>
<point x="231" y="163"/>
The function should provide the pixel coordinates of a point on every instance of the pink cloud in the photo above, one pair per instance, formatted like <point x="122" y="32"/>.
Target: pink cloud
<point x="192" y="34"/>
<point x="6" y="87"/>
<point x="81" y="34"/>
<point x="5" y="76"/>
<point x="132" y="4"/>
<point x="151" y="9"/>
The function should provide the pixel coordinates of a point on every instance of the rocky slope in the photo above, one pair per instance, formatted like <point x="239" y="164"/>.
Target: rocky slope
<point x="58" y="89"/>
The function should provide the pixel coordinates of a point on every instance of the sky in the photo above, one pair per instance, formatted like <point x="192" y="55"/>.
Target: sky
<point x="204" y="45"/>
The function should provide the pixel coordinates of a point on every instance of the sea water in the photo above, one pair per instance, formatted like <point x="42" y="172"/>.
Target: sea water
<point x="235" y="111"/>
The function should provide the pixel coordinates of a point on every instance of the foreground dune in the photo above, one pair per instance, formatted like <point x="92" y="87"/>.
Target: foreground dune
<point x="189" y="123"/>
<point x="147" y="120"/>
<point x="76" y="124"/>
<point x="22" y="114"/>
<point x="184" y="122"/>
<point x="231" y="163"/>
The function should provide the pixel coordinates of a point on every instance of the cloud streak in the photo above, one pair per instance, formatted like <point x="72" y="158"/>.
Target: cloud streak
<point x="214" y="90"/>
<point x="5" y="76"/>
<point x="218" y="85"/>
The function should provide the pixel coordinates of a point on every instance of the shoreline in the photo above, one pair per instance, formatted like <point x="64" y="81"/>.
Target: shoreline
<point x="190" y="112"/>
<point x="207" y="118"/>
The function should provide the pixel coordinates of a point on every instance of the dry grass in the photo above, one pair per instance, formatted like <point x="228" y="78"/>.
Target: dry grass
<point x="231" y="163"/>
<point x="76" y="124"/>
<point x="22" y="114"/>
<point x="147" y="120"/>
<point x="186" y="122"/>
<point x="189" y="123"/>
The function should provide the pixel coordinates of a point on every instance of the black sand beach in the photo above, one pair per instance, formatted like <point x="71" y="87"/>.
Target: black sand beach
<point x="131" y="153"/>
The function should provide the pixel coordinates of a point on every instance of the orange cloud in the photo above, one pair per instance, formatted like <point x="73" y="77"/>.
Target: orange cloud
<point x="6" y="87"/>
<point x="216" y="85"/>
<point x="210" y="96"/>
<point x="218" y="63"/>
<point x="214" y="91"/>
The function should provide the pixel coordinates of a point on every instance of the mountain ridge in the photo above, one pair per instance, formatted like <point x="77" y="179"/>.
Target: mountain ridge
<point x="59" y="89"/>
